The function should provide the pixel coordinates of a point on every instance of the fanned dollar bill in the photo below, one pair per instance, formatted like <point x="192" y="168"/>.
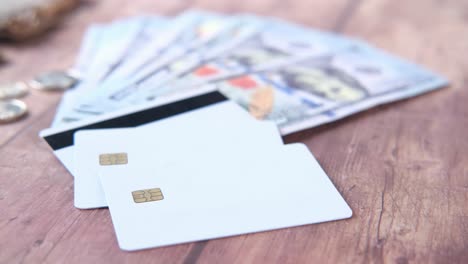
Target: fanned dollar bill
<point x="296" y="76"/>
<point x="313" y="91"/>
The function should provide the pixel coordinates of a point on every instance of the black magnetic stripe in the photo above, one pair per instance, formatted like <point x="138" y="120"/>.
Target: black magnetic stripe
<point x="65" y="138"/>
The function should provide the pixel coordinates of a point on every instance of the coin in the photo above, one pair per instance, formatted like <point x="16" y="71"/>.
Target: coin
<point x="13" y="90"/>
<point x="11" y="110"/>
<point x="53" y="81"/>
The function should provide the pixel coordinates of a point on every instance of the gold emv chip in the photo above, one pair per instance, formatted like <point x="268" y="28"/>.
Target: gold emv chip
<point x="113" y="159"/>
<point x="148" y="195"/>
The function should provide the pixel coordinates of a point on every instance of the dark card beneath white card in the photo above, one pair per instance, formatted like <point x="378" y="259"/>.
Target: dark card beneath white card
<point x="60" y="139"/>
<point x="193" y="168"/>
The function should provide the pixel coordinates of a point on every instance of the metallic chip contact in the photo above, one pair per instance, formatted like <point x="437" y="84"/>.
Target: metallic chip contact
<point x="113" y="159"/>
<point x="148" y="195"/>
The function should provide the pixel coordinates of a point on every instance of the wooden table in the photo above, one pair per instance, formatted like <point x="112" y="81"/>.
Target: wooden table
<point x="403" y="167"/>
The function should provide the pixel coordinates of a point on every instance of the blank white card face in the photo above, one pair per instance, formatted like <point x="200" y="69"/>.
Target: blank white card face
<point x="155" y="203"/>
<point x="223" y="125"/>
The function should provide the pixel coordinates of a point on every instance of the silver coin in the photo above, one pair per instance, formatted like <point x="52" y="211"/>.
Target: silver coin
<point x="11" y="110"/>
<point x="13" y="90"/>
<point x="53" y="81"/>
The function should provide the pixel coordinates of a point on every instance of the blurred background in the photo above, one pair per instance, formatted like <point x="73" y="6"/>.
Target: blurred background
<point x="55" y="27"/>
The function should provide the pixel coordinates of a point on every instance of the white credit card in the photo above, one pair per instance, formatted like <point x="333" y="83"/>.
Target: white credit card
<point x="213" y="195"/>
<point x="60" y="139"/>
<point x="223" y="124"/>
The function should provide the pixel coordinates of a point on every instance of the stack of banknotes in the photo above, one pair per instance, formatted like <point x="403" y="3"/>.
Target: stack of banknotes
<point x="294" y="75"/>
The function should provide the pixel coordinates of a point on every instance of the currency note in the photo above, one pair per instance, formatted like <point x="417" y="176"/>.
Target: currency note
<point x="315" y="91"/>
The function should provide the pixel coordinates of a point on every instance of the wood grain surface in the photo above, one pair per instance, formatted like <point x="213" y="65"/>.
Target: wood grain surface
<point x="402" y="167"/>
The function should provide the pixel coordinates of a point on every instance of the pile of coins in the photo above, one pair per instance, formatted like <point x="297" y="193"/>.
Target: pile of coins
<point x="12" y="109"/>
